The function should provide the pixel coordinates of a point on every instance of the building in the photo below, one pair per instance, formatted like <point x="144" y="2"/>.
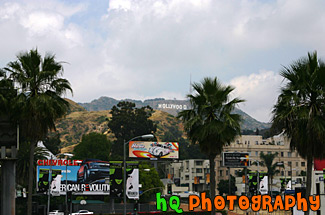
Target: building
<point x="195" y="173"/>
<point x="294" y="165"/>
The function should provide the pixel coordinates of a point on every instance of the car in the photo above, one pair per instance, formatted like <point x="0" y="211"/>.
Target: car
<point x="159" y="150"/>
<point x="56" y="212"/>
<point x="82" y="212"/>
<point x="92" y="170"/>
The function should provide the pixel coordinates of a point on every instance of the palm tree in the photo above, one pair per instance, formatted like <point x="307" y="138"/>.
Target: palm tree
<point x="39" y="100"/>
<point x="300" y="109"/>
<point x="210" y="121"/>
<point x="267" y="161"/>
<point x="23" y="161"/>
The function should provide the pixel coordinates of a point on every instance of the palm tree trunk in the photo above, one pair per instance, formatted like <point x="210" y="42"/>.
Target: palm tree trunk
<point x="30" y="178"/>
<point x="309" y="173"/>
<point x="212" y="181"/>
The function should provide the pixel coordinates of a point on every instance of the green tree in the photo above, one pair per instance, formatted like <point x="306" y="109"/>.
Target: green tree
<point x="127" y="122"/>
<point x="300" y="109"/>
<point x="267" y="161"/>
<point x="52" y="142"/>
<point x="210" y="121"/>
<point x="149" y="179"/>
<point x="39" y="100"/>
<point x="223" y="186"/>
<point x="93" y="145"/>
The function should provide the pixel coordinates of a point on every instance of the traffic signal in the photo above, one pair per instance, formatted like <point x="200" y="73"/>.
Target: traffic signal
<point x="169" y="189"/>
<point x="69" y="196"/>
<point x="135" y="207"/>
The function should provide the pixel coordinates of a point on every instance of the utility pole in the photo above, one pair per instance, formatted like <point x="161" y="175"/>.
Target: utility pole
<point x="9" y="143"/>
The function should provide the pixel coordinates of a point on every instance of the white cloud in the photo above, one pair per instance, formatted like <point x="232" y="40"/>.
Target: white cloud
<point x="260" y="90"/>
<point x="149" y="48"/>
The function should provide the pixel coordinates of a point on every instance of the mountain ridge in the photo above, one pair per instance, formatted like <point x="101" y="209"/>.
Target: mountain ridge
<point x="167" y="105"/>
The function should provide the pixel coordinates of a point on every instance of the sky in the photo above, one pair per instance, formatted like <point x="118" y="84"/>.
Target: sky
<point x="145" y="49"/>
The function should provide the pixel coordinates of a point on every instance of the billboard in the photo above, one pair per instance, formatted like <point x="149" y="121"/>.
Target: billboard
<point x="235" y="159"/>
<point x="132" y="182"/>
<point x="88" y="177"/>
<point x="116" y="179"/>
<point x="140" y="149"/>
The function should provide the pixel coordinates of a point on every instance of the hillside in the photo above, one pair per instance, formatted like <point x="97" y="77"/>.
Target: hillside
<point x="80" y="122"/>
<point x="170" y="106"/>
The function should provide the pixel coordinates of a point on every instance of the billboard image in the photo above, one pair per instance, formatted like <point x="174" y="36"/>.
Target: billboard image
<point x="116" y="179"/>
<point x="235" y="159"/>
<point x="88" y="177"/>
<point x="140" y="149"/>
<point x="132" y="182"/>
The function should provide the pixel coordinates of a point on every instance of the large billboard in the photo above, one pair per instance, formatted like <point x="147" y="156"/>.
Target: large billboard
<point x="140" y="149"/>
<point x="88" y="177"/>
<point x="235" y="159"/>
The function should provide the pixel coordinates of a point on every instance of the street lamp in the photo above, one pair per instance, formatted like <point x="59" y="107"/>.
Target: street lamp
<point x="146" y="136"/>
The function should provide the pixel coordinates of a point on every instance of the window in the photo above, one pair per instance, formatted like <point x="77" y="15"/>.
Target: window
<point x="297" y="172"/>
<point x="198" y="163"/>
<point x="187" y="177"/>
<point x="237" y="141"/>
<point x="289" y="173"/>
<point x="256" y="142"/>
<point x="256" y="153"/>
<point x="303" y="164"/>
<point x="268" y="153"/>
<point x="289" y="163"/>
<point x="220" y="172"/>
<point x="221" y="163"/>
<point x="289" y="154"/>
<point x="297" y="164"/>
<point x="281" y="154"/>
<point x="198" y="170"/>
<point x="282" y="173"/>
<point x="248" y="142"/>
<point x="226" y="172"/>
<point x="245" y="142"/>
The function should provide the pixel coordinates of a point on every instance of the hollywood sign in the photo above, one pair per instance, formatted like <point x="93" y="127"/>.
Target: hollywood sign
<point x="172" y="106"/>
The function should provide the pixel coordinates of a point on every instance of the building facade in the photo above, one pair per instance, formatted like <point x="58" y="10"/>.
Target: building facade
<point x="293" y="164"/>
<point x="195" y="173"/>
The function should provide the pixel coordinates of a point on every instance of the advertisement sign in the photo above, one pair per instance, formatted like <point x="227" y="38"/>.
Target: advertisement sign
<point x="252" y="182"/>
<point x="140" y="149"/>
<point x="235" y="159"/>
<point x="116" y="179"/>
<point x="284" y="183"/>
<point x="132" y="182"/>
<point x="88" y="177"/>
<point x="264" y="185"/>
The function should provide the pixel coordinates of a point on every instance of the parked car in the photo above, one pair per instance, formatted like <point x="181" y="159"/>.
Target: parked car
<point x="159" y="150"/>
<point x="91" y="170"/>
<point x="82" y="212"/>
<point x="56" y="212"/>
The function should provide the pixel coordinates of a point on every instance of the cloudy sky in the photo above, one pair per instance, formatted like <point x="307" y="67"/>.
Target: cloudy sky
<point x="143" y="49"/>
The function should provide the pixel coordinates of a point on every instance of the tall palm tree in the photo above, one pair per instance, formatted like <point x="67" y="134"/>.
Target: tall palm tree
<point x="300" y="109"/>
<point x="23" y="161"/>
<point x="267" y="161"/>
<point x="210" y="121"/>
<point x="39" y="99"/>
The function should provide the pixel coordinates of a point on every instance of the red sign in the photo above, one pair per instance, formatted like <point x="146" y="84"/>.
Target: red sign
<point x="59" y="162"/>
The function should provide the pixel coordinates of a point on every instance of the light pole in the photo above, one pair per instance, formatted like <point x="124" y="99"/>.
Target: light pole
<point x="146" y="136"/>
